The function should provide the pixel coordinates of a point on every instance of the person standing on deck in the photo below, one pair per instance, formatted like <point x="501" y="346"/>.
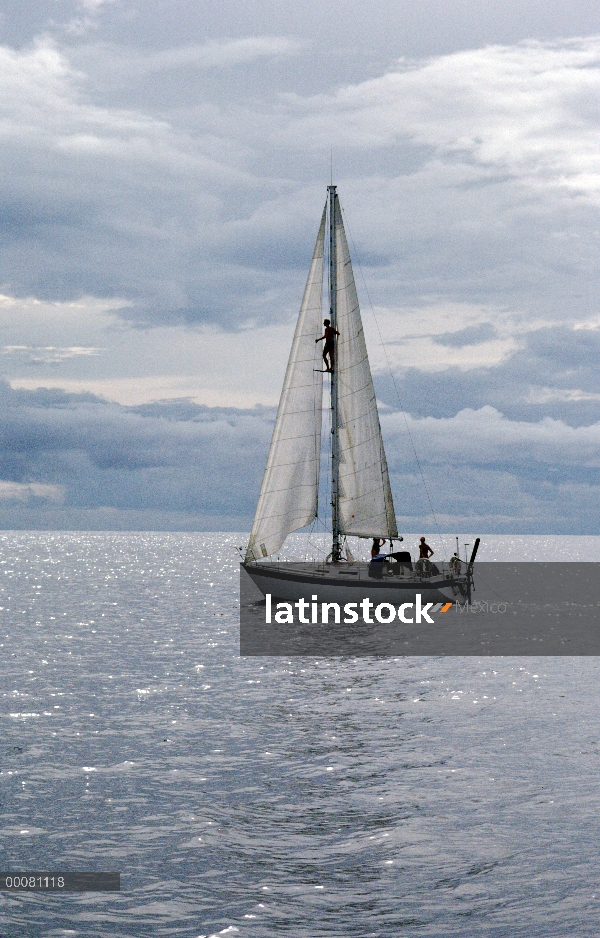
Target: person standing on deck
<point x="378" y="543"/>
<point x="329" y="350"/>
<point x="425" y="551"/>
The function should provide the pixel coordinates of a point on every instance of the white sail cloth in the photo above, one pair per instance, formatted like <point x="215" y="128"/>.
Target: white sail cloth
<point x="289" y="492"/>
<point x="365" y="497"/>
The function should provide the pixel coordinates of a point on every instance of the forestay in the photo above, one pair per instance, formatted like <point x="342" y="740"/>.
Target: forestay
<point x="288" y="497"/>
<point x="365" y="496"/>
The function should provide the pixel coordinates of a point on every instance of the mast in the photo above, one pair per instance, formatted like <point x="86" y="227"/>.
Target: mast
<point x="336" y="549"/>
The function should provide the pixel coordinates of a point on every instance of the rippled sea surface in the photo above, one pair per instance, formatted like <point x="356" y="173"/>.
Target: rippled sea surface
<point x="392" y="797"/>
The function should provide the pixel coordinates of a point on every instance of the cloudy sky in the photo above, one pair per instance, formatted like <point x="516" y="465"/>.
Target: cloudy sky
<point x="164" y="165"/>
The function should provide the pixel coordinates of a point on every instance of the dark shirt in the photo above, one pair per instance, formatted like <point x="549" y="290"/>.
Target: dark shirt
<point x="425" y="551"/>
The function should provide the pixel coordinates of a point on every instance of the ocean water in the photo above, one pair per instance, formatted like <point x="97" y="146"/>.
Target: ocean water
<point x="388" y="797"/>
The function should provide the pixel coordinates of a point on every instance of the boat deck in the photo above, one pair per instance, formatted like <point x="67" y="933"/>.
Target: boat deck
<point x="361" y="571"/>
<point x="383" y="582"/>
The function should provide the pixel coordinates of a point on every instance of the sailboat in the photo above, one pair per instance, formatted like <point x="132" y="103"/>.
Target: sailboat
<point x="361" y="495"/>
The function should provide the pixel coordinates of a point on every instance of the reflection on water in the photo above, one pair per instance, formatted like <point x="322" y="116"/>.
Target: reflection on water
<point x="273" y="797"/>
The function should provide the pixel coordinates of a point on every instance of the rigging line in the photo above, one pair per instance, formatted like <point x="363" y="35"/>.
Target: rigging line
<point x="313" y="545"/>
<point x="403" y="412"/>
<point x="310" y="544"/>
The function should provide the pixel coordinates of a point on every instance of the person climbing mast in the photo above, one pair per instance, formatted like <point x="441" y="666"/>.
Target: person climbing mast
<point x="329" y="349"/>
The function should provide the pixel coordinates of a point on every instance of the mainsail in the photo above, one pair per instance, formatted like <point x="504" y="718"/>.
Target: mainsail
<point x="288" y="497"/>
<point x="365" y="505"/>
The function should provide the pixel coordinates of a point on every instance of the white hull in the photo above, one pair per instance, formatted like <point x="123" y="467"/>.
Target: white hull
<point x="342" y="583"/>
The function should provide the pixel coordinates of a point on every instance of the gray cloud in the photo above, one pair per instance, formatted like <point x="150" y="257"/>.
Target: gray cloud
<point x="472" y="335"/>
<point x="553" y="374"/>
<point x="215" y="54"/>
<point x="46" y="354"/>
<point x="180" y="466"/>
<point x="177" y="458"/>
<point x="19" y="492"/>
<point x="173" y="210"/>
<point x="172" y="166"/>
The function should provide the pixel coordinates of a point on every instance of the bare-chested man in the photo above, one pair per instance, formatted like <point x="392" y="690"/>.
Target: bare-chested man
<point x="329" y="350"/>
<point x="425" y="551"/>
